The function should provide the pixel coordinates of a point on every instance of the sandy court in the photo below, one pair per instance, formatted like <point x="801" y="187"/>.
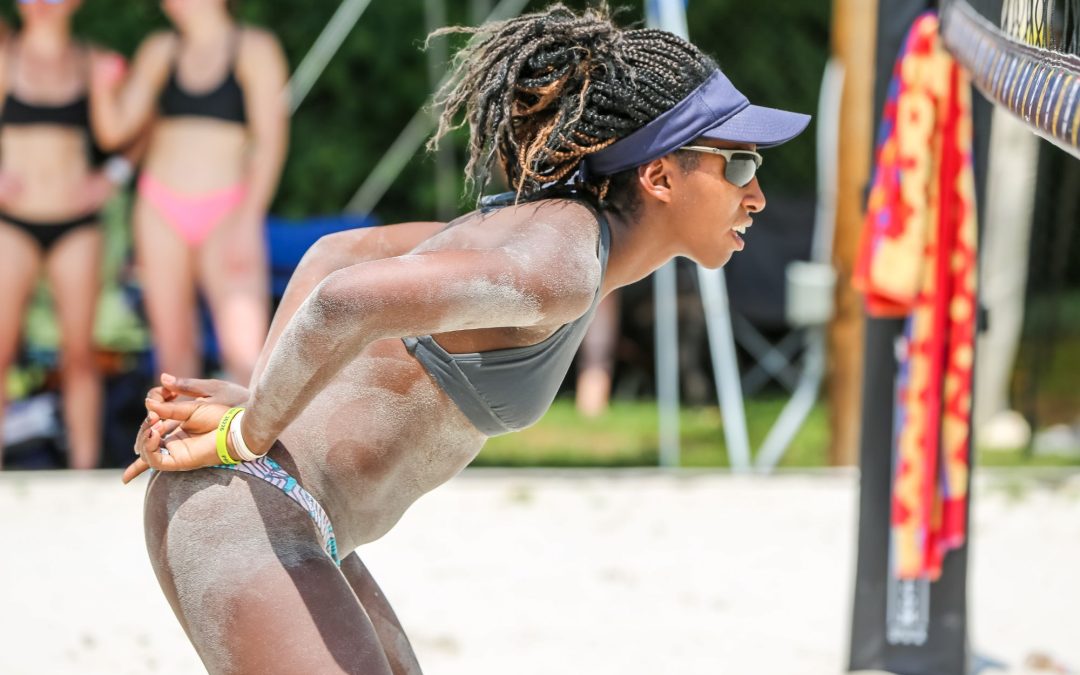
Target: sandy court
<point x="530" y="573"/>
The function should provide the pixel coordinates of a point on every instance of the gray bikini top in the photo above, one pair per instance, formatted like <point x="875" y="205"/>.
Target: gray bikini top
<point x="506" y="390"/>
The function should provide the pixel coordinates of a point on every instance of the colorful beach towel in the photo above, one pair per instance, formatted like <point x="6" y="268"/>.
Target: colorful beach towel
<point x="917" y="260"/>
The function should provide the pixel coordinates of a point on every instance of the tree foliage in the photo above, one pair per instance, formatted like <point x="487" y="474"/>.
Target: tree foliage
<point x="773" y="50"/>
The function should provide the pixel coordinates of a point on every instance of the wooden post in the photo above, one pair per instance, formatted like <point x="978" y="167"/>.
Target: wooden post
<point x="853" y="37"/>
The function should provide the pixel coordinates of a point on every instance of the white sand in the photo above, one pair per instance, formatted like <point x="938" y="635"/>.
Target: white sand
<point x="529" y="573"/>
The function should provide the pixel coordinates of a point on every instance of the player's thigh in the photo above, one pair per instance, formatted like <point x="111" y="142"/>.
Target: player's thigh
<point x="246" y="575"/>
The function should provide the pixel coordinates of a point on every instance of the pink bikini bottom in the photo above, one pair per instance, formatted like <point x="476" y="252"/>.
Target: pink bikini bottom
<point x="193" y="217"/>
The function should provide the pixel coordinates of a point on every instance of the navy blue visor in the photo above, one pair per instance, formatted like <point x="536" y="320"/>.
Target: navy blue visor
<point x="715" y="110"/>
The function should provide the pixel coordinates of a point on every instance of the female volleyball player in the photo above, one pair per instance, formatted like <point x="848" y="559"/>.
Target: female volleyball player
<point x="398" y="351"/>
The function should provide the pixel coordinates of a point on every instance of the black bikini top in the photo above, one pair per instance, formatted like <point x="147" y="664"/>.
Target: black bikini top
<point x="18" y="111"/>
<point x="224" y="102"/>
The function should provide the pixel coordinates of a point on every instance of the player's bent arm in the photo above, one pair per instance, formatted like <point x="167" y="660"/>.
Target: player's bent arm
<point x="332" y="253"/>
<point x="427" y="293"/>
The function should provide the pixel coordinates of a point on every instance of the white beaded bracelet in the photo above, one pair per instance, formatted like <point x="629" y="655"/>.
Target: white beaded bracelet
<point x="242" y="450"/>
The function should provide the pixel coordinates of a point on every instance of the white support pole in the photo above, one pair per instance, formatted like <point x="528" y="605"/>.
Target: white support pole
<point x="714" y="297"/>
<point x="666" y="313"/>
<point x="327" y="44"/>
<point x="667" y="15"/>
<point x="799" y="407"/>
<point x="670" y="15"/>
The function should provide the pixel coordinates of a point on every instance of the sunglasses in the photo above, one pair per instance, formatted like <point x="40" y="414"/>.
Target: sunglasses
<point x="740" y="166"/>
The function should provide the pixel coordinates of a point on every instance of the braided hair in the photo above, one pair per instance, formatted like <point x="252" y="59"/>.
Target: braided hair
<point x="542" y="91"/>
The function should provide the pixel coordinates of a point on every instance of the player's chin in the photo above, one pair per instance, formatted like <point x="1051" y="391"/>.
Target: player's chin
<point x="715" y="256"/>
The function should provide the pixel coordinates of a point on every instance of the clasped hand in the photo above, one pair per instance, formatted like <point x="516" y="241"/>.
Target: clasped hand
<point x="179" y="431"/>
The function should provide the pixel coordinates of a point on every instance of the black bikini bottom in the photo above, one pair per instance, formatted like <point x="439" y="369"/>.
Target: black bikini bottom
<point x="47" y="233"/>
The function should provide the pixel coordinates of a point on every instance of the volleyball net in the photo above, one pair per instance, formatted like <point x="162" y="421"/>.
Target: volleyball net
<point x="1024" y="57"/>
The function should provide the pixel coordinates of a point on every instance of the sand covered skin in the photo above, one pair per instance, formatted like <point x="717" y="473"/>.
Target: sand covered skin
<point x="363" y="421"/>
<point x="478" y="273"/>
<point x="631" y="573"/>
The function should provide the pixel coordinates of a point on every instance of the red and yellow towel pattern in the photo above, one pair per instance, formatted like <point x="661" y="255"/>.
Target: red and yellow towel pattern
<point x="917" y="260"/>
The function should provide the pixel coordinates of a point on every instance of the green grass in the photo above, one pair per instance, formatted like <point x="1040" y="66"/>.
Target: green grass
<point x="1021" y="458"/>
<point x="628" y="436"/>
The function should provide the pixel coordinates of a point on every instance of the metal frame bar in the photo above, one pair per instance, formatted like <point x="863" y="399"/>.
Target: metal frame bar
<point x="326" y="45"/>
<point x="410" y="139"/>
<point x="772" y="361"/>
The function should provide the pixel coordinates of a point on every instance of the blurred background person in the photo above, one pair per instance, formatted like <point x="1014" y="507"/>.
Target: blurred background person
<point x="50" y="198"/>
<point x="212" y="94"/>
<point x="596" y="359"/>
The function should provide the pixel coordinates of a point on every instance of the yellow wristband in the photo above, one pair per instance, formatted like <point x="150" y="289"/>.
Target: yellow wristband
<point x="222" y="435"/>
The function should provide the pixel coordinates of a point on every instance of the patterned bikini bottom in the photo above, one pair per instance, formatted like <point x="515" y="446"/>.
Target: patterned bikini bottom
<point x="270" y="471"/>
